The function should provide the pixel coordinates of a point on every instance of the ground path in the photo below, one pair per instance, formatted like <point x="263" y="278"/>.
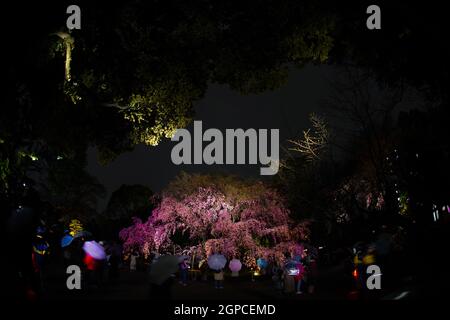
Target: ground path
<point x="133" y="286"/>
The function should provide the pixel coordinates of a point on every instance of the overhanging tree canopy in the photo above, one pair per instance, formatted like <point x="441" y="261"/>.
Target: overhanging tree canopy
<point x="137" y="67"/>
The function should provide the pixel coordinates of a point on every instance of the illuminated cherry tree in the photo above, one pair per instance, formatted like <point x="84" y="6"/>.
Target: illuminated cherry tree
<point x="206" y="215"/>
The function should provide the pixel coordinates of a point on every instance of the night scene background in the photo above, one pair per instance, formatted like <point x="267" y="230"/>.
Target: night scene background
<point x="86" y="176"/>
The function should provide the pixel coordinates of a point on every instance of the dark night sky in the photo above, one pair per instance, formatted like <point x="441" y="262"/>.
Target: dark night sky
<point x="286" y="108"/>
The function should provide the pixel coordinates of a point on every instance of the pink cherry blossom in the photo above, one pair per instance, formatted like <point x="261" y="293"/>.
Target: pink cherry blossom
<point x="208" y="219"/>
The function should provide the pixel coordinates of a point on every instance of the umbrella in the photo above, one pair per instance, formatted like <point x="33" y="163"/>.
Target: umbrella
<point x="40" y="247"/>
<point x="183" y="258"/>
<point x="95" y="250"/>
<point x="262" y="263"/>
<point x="217" y="261"/>
<point x="66" y="240"/>
<point x="82" y="234"/>
<point x="235" y="265"/>
<point x="292" y="268"/>
<point x="163" y="268"/>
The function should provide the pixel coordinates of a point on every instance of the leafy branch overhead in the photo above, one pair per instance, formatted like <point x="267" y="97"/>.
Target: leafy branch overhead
<point x="132" y="73"/>
<point x="155" y="66"/>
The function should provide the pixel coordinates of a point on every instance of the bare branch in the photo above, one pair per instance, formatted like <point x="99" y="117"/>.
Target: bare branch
<point x="313" y="141"/>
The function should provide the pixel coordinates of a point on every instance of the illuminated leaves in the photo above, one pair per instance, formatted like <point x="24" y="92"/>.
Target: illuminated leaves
<point x="4" y="173"/>
<point x="75" y="226"/>
<point x="153" y="66"/>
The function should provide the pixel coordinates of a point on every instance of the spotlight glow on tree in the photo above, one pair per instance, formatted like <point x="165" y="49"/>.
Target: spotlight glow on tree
<point x="75" y="226"/>
<point x="211" y="214"/>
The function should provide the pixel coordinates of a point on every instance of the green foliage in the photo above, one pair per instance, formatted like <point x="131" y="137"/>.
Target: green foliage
<point x="75" y="226"/>
<point x="131" y="75"/>
<point x="311" y="43"/>
<point x="4" y="173"/>
<point x="164" y="107"/>
<point x="403" y="203"/>
<point x="22" y="155"/>
<point x="71" y="90"/>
